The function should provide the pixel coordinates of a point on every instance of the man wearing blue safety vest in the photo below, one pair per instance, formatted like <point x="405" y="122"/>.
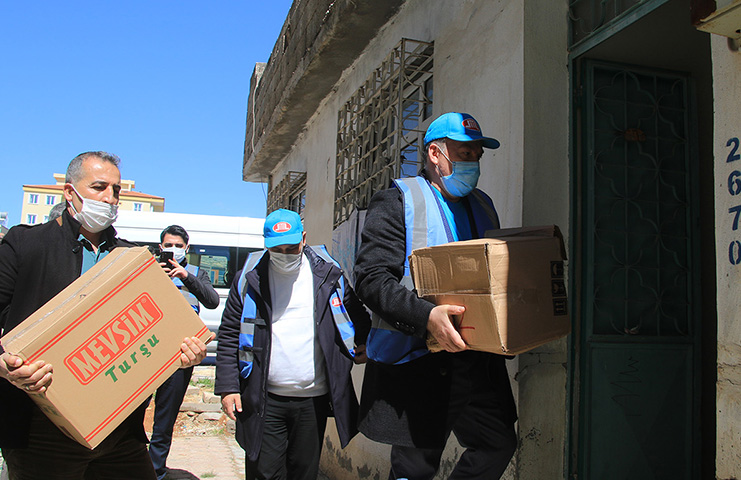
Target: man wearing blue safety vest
<point x="195" y="285"/>
<point x="290" y="332"/>
<point x="412" y="399"/>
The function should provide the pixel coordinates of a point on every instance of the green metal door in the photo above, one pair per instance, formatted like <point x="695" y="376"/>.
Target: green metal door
<point x="638" y="411"/>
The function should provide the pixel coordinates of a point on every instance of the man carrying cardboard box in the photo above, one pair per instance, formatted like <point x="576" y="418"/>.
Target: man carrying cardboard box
<point x="36" y="263"/>
<point x="412" y="399"/>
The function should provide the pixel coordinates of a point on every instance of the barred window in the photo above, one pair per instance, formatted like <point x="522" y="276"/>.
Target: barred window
<point x="381" y="127"/>
<point x="289" y="193"/>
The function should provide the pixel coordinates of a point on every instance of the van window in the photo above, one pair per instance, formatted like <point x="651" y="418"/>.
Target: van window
<point x="214" y="260"/>
<point x="221" y="263"/>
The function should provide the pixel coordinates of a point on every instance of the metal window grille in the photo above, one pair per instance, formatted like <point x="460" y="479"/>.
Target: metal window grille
<point x="379" y="129"/>
<point x="289" y="193"/>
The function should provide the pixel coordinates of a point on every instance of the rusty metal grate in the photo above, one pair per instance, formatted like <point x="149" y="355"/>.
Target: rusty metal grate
<point x="380" y="127"/>
<point x="289" y="193"/>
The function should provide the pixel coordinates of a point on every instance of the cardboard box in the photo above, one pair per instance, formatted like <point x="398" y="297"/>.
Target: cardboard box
<point x="512" y="286"/>
<point x="113" y="336"/>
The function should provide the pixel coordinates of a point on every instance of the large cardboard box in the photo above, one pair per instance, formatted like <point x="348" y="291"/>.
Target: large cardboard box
<point x="512" y="286"/>
<point x="113" y="336"/>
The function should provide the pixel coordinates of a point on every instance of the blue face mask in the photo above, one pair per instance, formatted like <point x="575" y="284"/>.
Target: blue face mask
<point x="463" y="179"/>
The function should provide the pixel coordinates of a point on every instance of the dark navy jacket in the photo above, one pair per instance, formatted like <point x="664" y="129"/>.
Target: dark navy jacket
<point x="253" y="390"/>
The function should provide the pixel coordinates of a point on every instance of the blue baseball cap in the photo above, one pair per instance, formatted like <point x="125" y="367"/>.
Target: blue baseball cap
<point x="458" y="126"/>
<point x="282" y="227"/>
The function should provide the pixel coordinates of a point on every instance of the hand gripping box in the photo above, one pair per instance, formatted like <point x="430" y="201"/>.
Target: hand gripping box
<point x="113" y="336"/>
<point x="512" y="286"/>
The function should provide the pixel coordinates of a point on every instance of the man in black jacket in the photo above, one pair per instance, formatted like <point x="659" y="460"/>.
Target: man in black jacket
<point x="412" y="399"/>
<point x="195" y="285"/>
<point x="36" y="263"/>
<point x="291" y="329"/>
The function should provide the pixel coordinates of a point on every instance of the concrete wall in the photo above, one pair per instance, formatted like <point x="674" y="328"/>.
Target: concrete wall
<point x="491" y="57"/>
<point x="542" y="373"/>
<point x="727" y="101"/>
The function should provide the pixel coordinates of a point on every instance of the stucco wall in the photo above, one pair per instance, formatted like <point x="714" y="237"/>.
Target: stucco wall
<point x="542" y="373"/>
<point x="490" y="60"/>
<point x="727" y="101"/>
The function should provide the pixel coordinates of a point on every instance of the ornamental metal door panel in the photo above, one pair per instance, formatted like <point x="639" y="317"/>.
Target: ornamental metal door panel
<point x="638" y="347"/>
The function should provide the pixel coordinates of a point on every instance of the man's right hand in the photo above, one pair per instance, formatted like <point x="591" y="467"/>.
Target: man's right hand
<point x="230" y="403"/>
<point x="440" y="327"/>
<point x="32" y="378"/>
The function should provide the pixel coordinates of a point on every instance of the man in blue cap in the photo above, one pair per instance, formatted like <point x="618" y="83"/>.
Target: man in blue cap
<point x="412" y="399"/>
<point x="291" y="330"/>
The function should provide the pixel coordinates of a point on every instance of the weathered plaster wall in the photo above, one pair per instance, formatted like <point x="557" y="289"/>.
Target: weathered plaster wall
<point x="542" y="373"/>
<point x="487" y="66"/>
<point x="727" y="101"/>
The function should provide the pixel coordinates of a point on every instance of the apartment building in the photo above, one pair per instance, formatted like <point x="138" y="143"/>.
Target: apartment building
<point x="38" y="200"/>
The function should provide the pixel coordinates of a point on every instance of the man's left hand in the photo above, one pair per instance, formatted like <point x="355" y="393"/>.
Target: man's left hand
<point x="177" y="270"/>
<point x="360" y="355"/>
<point x="193" y="350"/>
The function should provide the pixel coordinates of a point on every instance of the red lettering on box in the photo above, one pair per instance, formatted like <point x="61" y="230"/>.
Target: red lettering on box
<point x="121" y="408"/>
<point x="96" y="353"/>
<point x="126" y="281"/>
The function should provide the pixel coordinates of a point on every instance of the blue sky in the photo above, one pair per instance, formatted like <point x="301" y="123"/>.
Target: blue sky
<point x="162" y="84"/>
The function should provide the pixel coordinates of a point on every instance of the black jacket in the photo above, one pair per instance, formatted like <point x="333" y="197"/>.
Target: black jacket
<point x="407" y="404"/>
<point x="201" y="287"/>
<point x="36" y="263"/>
<point x="253" y="390"/>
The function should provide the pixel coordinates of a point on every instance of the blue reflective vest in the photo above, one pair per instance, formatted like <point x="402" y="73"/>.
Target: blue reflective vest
<point x="425" y="225"/>
<point x="251" y="314"/>
<point x="192" y="300"/>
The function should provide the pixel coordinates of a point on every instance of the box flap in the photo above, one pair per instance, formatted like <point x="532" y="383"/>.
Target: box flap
<point x="509" y="234"/>
<point x="460" y="267"/>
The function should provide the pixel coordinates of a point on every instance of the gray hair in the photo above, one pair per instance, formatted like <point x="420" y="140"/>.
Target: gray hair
<point x="74" y="170"/>
<point x="56" y="210"/>
<point x="440" y="142"/>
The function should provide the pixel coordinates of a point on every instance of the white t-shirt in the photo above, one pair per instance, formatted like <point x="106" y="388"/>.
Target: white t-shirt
<point x="296" y="358"/>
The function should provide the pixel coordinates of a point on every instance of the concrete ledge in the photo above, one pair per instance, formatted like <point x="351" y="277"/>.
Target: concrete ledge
<point x="319" y="40"/>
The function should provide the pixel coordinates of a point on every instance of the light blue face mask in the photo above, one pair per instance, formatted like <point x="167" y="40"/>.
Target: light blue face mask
<point x="463" y="179"/>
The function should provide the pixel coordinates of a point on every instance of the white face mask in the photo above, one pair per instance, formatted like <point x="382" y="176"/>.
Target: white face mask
<point x="178" y="254"/>
<point x="286" y="262"/>
<point x="95" y="215"/>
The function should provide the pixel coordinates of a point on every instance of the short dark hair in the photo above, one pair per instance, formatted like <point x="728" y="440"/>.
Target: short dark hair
<point x="176" y="230"/>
